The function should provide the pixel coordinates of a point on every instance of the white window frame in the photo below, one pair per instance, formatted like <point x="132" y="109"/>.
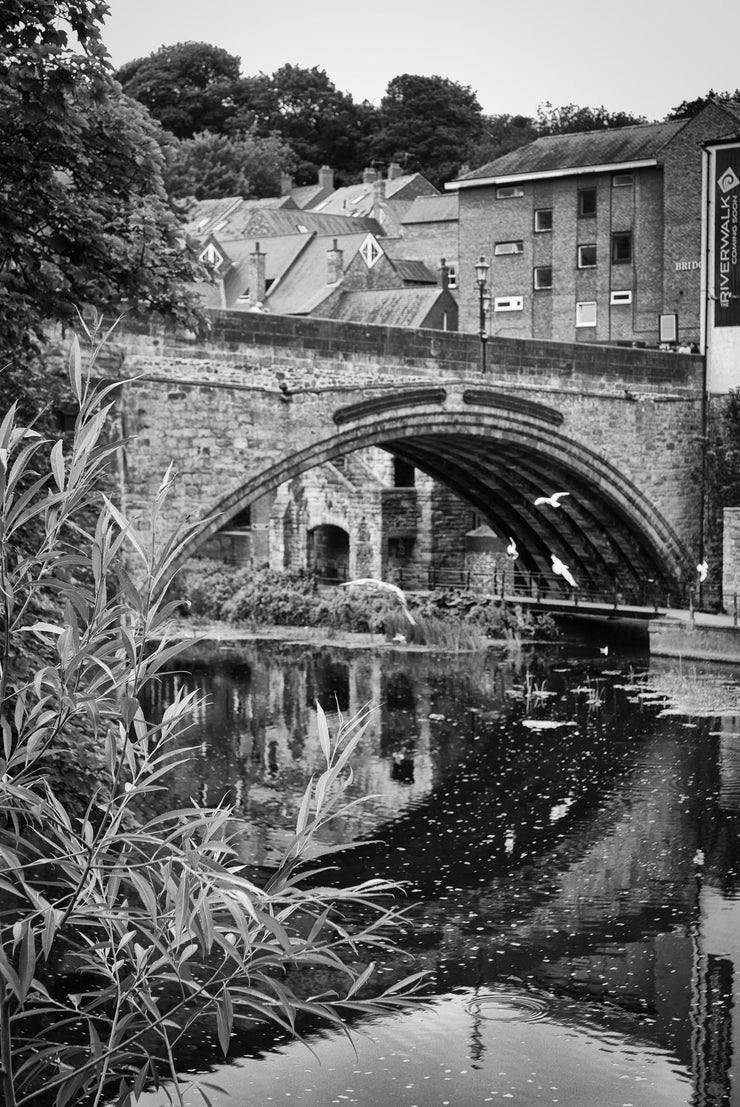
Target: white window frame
<point x="509" y="192"/>
<point x="452" y="276"/>
<point x="503" y="249"/>
<point x="587" y="246"/>
<point x="623" y="180"/>
<point x="543" y="230"/>
<point x="620" y="296"/>
<point x="586" y="313"/>
<point x="508" y="303"/>
<point x="535" y="271"/>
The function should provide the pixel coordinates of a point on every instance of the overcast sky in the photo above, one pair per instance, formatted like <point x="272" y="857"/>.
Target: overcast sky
<point x="640" y="56"/>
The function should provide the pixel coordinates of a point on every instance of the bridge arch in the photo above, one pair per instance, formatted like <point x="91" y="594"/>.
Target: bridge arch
<point x="499" y="460"/>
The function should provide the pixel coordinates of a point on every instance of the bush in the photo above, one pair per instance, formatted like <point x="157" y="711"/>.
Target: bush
<point x="119" y="937"/>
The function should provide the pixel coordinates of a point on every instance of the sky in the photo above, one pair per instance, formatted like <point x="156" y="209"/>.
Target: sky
<point x="637" y="56"/>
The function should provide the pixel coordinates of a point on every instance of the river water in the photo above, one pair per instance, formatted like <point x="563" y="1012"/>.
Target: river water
<point x="573" y="857"/>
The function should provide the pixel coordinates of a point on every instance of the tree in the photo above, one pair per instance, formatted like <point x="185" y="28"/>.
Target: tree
<point x="502" y="133"/>
<point x="430" y="125"/>
<point x="120" y="933"/>
<point x="189" y="86"/>
<point x="570" y="119"/>
<point x="210" y="165"/>
<point x="84" y="216"/>
<point x="322" y="125"/>
<point x="687" y="109"/>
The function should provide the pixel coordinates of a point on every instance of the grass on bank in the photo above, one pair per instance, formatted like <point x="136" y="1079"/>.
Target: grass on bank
<point x="257" y="598"/>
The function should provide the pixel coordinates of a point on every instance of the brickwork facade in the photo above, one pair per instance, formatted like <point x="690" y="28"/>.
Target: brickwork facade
<point x="645" y="228"/>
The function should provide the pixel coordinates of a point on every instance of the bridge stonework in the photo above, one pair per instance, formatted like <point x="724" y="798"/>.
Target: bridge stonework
<point x="264" y="398"/>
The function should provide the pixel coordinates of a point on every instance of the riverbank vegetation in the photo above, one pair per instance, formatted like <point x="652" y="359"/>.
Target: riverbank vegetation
<point x="123" y="935"/>
<point x="257" y="598"/>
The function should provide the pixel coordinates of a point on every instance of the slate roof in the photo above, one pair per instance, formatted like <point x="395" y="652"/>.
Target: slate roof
<point x="432" y="209"/>
<point x="357" y="200"/>
<point x="303" y="283"/>
<point x="393" y="307"/>
<point x="415" y="272"/>
<point x="552" y="153"/>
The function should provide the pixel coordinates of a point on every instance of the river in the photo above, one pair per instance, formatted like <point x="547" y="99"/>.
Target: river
<point x="572" y="853"/>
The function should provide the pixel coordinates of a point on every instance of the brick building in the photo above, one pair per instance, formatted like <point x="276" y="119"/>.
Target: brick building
<point x="593" y="237"/>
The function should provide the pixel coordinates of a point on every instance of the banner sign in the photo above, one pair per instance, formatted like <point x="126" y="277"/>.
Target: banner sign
<point x="727" y="237"/>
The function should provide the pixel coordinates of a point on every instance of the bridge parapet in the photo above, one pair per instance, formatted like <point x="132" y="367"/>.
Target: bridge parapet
<point x="250" y="348"/>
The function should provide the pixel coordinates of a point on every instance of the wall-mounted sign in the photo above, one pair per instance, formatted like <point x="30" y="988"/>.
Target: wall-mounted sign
<point x="726" y="228"/>
<point x="686" y="266"/>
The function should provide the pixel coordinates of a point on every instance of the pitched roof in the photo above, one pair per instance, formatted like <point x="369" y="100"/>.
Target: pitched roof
<point x="393" y="307"/>
<point x="432" y="209"/>
<point x="357" y="200"/>
<point x="303" y="283"/>
<point x="570" y="152"/>
<point x="415" y="272"/>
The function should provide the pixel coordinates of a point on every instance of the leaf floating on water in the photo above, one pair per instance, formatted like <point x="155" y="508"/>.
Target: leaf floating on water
<point x="547" y="724"/>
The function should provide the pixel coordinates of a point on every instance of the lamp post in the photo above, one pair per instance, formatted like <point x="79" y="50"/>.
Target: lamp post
<point x="484" y="299"/>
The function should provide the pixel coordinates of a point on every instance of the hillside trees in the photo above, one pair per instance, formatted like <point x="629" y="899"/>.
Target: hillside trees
<point x="189" y="87"/>
<point x="208" y="166"/>
<point x="570" y="118"/>
<point x="429" y="125"/>
<point x="84" y="216"/>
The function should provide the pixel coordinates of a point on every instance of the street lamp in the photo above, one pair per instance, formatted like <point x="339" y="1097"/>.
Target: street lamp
<point x="484" y="299"/>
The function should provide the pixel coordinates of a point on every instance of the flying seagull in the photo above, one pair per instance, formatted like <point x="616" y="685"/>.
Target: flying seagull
<point x="702" y="569"/>
<point x="382" y="586"/>
<point x="511" y="551"/>
<point x="553" y="501"/>
<point x="561" y="569"/>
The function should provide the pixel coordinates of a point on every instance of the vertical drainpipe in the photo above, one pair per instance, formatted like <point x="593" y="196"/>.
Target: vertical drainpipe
<point x="704" y="346"/>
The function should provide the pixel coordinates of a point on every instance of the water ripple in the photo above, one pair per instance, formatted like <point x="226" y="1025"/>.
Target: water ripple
<point x="507" y="1007"/>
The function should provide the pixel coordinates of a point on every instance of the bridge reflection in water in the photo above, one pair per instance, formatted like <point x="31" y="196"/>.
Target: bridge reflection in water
<point x="573" y="863"/>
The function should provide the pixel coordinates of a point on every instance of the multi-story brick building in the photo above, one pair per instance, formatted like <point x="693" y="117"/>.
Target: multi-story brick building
<point x="597" y="237"/>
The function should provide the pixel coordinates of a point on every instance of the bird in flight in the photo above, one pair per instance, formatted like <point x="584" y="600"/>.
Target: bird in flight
<point x="382" y="586"/>
<point x="552" y="501"/>
<point x="702" y="569"/>
<point x="511" y="551"/>
<point x="561" y="570"/>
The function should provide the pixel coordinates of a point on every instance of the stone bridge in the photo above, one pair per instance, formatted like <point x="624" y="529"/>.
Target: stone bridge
<point x="265" y="398"/>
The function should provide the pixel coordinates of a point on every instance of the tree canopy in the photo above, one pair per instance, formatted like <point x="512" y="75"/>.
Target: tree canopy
<point x="85" y="219"/>
<point x="570" y="118"/>
<point x="429" y="125"/>
<point x="208" y="166"/>
<point x="189" y="87"/>
<point x="687" y="109"/>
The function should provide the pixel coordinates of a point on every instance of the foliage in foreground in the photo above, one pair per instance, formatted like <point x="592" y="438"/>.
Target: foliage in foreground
<point x="119" y="937"/>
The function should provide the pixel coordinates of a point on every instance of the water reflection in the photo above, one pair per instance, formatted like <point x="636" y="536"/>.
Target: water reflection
<point x="569" y="852"/>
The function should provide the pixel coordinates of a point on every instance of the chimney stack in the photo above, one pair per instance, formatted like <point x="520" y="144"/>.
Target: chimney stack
<point x="286" y="184"/>
<point x="326" y="177"/>
<point x="443" y="275"/>
<point x="394" y="170"/>
<point x="369" y="175"/>
<point x="378" y="199"/>
<point x="335" y="266"/>
<point x="256" y="275"/>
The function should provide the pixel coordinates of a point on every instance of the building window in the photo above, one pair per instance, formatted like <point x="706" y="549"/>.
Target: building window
<point x="542" y="276"/>
<point x="543" y="219"/>
<point x="404" y="474"/>
<point x="621" y="248"/>
<point x="587" y="201"/>
<point x="621" y="296"/>
<point x="586" y="314"/>
<point x="508" y="303"/>
<point x="508" y="192"/>
<point x="452" y="276"/>
<point x="587" y="256"/>
<point x="622" y="180"/>
<point x="501" y="248"/>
